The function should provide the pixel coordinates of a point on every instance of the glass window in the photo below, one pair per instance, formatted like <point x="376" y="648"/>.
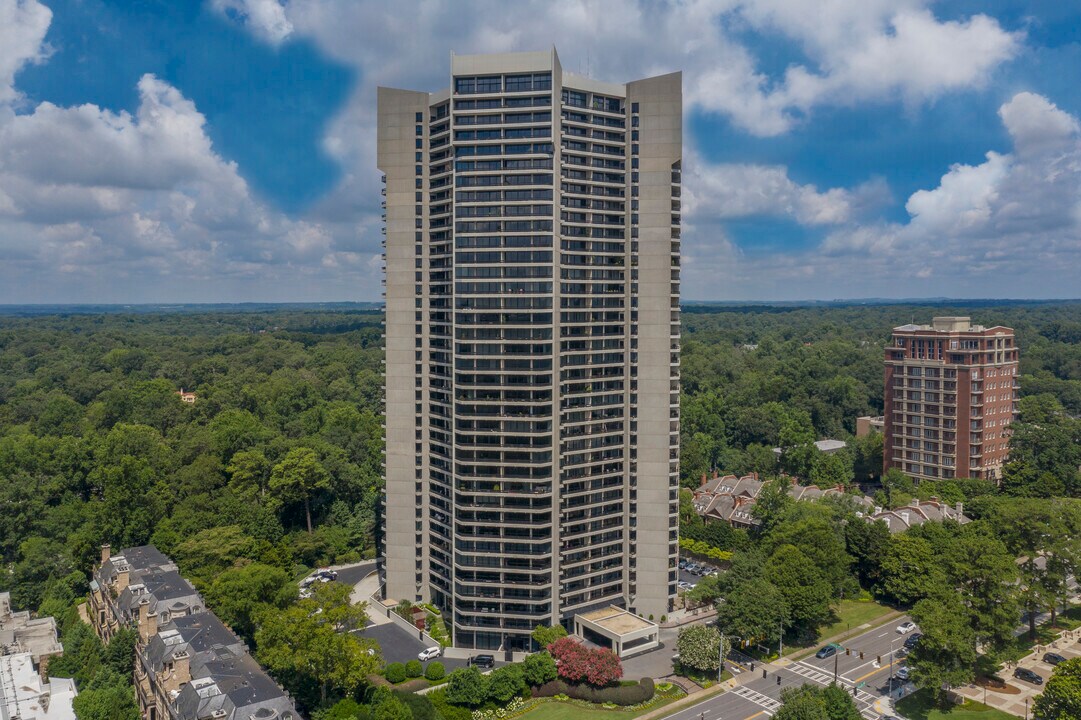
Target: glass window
<point x="574" y="98"/>
<point x="489" y="84"/>
<point x="519" y="83"/>
<point x="542" y="81"/>
<point x="465" y="85"/>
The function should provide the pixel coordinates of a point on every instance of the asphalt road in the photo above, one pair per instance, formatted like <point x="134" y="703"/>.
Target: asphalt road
<point x="352" y="574"/>
<point x="757" y="697"/>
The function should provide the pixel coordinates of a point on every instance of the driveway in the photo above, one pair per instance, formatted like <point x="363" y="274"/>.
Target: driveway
<point x="399" y="645"/>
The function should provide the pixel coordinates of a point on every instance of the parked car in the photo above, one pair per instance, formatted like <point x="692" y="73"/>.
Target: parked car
<point x="482" y="661"/>
<point x="692" y="568"/>
<point x="709" y="573"/>
<point x="912" y="640"/>
<point x="1053" y="658"/>
<point x="1028" y="676"/>
<point x="906" y="627"/>
<point x="429" y="653"/>
<point x="902" y="673"/>
<point x="684" y="585"/>
<point x="826" y="652"/>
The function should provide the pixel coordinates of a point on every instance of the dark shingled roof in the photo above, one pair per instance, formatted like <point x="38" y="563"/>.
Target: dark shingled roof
<point x="225" y="677"/>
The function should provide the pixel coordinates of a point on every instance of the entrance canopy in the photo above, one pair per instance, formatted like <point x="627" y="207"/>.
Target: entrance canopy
<point x="622" y="631"/>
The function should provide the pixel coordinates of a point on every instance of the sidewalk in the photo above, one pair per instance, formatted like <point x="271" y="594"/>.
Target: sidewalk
<point x="679" y="618"/>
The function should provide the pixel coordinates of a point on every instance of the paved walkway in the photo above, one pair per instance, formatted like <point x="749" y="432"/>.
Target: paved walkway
<point x="1067" y="645"/>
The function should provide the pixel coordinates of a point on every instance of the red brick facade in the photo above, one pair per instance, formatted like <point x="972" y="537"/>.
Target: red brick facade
<point x="951" y="394"/>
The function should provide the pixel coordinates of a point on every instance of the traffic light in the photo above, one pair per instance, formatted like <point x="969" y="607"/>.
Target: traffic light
<point x="879" y="660"/>
<point x="861" y="654"/>
<point x="848" y="651"/>
<point x="763" y="673"/>
<point x="778" y="679"/>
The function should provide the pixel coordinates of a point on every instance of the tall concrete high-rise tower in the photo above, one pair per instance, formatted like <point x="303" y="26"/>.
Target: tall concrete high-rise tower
<point x="532" y="345"/>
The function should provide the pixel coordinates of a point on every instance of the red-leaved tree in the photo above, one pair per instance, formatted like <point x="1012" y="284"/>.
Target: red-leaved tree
<point x="577" y="663"/>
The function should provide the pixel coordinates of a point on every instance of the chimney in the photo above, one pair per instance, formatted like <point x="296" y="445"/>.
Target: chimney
<point x="106" y="553"/>
<point x="934" y="499"/>
<point x="703" y="480"/>
<point x="181" y="671"/>
<point x="122" y="579"/>
<point x="960" y="508"/>
<point x="904" y="517"/>
<point x="716" y="474"/>
<point x="148" y="621"/>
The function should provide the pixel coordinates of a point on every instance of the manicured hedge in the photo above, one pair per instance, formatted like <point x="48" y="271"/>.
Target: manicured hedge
<point x="435" y="670"/>
<point x="617" y="694"/>
<point x="414" y="669"/>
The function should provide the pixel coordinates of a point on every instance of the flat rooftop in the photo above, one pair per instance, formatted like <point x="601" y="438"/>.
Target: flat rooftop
<point x="617" y="620"/>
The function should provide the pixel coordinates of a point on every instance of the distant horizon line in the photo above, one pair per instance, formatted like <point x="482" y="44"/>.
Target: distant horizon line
<point x="377" y="304"/>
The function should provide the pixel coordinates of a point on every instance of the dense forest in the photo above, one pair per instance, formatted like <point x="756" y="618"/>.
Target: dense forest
<point x="275" y="467"/>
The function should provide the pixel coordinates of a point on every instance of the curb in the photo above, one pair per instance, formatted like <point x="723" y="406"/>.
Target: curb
<point x="691" y="699"/>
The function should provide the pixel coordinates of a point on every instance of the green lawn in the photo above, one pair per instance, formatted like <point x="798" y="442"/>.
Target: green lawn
<point x="850" y="615"/>
<point x="921" y="706"/>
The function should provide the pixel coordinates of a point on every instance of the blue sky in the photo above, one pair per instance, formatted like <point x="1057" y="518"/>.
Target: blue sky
<point x="223" y="150"/>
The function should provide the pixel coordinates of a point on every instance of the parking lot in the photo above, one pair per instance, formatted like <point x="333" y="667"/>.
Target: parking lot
<point x="692" y="578"/>
<point x="398" y="645"/>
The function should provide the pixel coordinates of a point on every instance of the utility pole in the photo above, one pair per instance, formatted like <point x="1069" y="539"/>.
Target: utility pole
<point x="836" y="658"/>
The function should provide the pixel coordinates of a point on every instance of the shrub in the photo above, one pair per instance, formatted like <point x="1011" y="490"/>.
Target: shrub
<point x="539" y="668"/>
<point x="405" y="609"/>
<point x="439" y="701"/>
<point x="413" y="669"/>
<point x="624" y="695"/>
<point x="395" y="673"/>
<point x="577" y="663"/>
<point x="466" y="686"/>
<point x="419" y="705"/>
<point x="435" y="671"/>
<point x="505" y="683"/>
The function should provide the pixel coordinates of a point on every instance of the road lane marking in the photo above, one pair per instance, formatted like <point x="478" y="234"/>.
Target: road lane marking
<point x="873" y="672"/>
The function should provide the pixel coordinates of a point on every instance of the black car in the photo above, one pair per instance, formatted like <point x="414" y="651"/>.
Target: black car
<point x="912" y="640"/>
<point x="482" y="661"/>
<point x="827" y="651"/>
<point x="1028" y="676"/>
<point x="1053" y="658"/>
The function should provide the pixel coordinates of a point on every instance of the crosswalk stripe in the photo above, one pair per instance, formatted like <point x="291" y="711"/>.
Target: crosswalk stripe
<point x="771" y="706"/>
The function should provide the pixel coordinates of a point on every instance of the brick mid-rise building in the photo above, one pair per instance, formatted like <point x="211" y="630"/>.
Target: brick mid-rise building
<point x="951" y="394"/>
